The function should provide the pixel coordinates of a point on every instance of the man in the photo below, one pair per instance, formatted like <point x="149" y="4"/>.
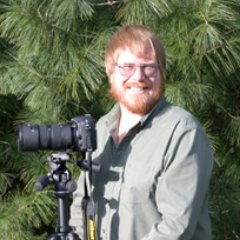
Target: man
<point x="155" y="158"/>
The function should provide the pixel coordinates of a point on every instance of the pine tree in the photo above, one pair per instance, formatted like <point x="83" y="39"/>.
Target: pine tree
<point x="51" y="70"/>
<point x="51" y="65"/>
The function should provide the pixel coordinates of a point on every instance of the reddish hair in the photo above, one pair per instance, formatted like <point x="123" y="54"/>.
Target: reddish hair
<point x="140" y="40"/>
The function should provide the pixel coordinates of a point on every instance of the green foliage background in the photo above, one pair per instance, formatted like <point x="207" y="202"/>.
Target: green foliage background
<point x="51" y="69"/>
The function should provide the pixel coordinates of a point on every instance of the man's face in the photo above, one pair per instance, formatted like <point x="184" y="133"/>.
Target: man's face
<point x="136" y="82"/>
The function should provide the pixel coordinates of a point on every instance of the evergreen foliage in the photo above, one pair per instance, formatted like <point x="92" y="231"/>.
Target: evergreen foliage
<point x="51" y="69"/>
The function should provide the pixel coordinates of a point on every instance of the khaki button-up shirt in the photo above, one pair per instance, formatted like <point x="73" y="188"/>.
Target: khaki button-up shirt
<point x="154" y="184"/>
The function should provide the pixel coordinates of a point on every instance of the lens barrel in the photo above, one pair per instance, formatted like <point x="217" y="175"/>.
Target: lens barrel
<point x="34" y="137"/>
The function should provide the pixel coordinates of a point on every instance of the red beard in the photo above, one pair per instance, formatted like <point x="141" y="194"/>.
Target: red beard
<point x="140" y="103"/>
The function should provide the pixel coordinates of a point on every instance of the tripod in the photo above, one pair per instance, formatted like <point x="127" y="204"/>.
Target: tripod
<point x="79" y="136"/>
<point x="60" y="176"/>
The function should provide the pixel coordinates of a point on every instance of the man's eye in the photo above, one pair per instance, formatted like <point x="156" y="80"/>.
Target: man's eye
<point x="128" y="68"/>
<point x="150" y="68"/>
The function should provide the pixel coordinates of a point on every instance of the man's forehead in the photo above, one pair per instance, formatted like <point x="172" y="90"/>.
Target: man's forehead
<point x="127" y="55"/>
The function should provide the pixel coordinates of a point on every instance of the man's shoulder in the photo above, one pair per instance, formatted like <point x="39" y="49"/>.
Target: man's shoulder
<point x="110" y="116"/>
<point x="178" y="112"/>
<point x="108" y="122"/>
<point x="177" y="115"/>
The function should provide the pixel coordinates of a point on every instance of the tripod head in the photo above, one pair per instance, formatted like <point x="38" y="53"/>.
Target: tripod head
<point x="59" y="175"/>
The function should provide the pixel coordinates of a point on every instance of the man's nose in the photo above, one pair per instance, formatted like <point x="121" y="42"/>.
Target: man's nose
<point x="138" y="74"/>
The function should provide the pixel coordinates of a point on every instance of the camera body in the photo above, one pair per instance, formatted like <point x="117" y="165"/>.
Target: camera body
<point x="79" y="135"/>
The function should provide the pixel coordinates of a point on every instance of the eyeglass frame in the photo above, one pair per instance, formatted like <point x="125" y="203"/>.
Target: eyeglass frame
<point x="134" y="67"/>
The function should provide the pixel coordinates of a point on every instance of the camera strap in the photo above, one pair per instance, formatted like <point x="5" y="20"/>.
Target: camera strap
<point x="88" y="209"/>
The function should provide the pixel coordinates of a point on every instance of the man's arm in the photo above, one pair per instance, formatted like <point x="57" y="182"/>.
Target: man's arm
<point x="182" y="189"/>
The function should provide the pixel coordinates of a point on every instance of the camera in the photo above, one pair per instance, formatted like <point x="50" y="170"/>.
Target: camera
<point x="79" y="135"/>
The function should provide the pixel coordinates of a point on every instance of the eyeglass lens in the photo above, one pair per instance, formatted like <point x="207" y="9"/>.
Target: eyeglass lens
<point x="147" y="69"/>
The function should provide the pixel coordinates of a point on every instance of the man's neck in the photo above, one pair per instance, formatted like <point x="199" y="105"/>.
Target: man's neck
<point x="126" y="122"/>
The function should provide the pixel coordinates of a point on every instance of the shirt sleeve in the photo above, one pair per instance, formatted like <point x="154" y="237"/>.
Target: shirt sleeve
<point x="76" y="216"/>
<point x="182" y="188"/>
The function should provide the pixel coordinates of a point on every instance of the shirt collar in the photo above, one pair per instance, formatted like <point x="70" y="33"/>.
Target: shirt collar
<point x="159" y="105"/>
<point x="114" y="114"/>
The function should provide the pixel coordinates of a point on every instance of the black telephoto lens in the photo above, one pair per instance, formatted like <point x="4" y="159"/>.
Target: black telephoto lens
<point x="79" y="135"/>
<point x="34" y="137"/>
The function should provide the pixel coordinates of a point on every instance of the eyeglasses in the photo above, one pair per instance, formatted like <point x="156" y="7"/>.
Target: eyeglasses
<point x="128" y="70"/>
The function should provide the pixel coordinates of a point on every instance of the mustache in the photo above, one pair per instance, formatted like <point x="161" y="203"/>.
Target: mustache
<point x="137" y="85"/>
